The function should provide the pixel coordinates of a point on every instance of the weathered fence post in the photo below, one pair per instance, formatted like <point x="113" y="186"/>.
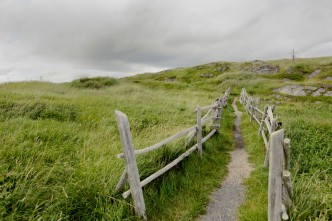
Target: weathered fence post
<point x="122" y="182"/>
<point x="275" y="176"/>
<point x="251" y="109"/>
<point x="217" y="119"/>
<point x="263" y="120"/>
<point x="241" y="96"/>
<point x="257" y="107"/>
<point x="287" y="153"/>
<point x="286" y="176"/>
<point x="199" y="130"/>
<point x="131" y="165"/>
<point x="287" y="191"/>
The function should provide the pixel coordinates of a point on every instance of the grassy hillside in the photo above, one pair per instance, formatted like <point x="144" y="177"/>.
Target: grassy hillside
<point x="307" y="121"/>
<point x="59" y="143"/>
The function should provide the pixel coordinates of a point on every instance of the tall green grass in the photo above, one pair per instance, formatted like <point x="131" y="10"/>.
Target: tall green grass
<point x="59" y="145"/>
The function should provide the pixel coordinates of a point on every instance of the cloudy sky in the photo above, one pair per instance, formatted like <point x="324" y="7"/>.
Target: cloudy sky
<point x="59" y="40"/>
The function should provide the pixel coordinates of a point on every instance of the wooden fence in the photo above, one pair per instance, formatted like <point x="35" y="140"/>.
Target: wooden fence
<point x="280" y="195"/>
<point x="131" y="173"/>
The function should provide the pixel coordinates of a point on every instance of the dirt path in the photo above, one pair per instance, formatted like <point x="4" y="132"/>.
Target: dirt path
<point x="225" y="201"/>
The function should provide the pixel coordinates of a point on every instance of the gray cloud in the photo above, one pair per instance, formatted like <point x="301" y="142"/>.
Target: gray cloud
<point x="131" y="36"/>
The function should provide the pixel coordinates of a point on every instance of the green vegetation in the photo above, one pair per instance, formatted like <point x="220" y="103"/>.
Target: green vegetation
<point x="59" y="143"/>
<point x="307" y="122"/>
<point x="309" y="128"/>
<point x="94" y="83"/>
<point x="291" y="76"/>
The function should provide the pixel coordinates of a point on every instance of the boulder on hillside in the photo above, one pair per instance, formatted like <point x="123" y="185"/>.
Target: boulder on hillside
<point x="318" y="92"/>
<point x="328" y="94"/>
<point x="300" y="90"/>
<point x="313" y="74"/>
<point x="310" y="88"/>
<point x="294" y="90"/>
<point x="170" y="79"/>
<point x="257" y="66"/>
<point x="266" y="69"/>
<point x="207" y="75"/>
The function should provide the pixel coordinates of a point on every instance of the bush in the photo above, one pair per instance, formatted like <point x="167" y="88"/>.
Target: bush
<point x="94" y="83"/>
<point x="301" y="69"/>
<point x="291" y="76"/>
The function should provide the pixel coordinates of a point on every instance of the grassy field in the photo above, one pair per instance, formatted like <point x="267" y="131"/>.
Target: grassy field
<point x="59" y="143"/>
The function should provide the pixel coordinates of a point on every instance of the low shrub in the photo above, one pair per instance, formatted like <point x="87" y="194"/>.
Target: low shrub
<point x="292" y="76"/>
<point x="94" y="83"/>
<point x="301" y="69"/>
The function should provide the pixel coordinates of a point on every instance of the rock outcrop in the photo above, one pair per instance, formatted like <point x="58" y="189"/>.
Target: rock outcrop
<point x="266" y="69"/>
<point x="258" y="66"/>
<point x="319" y="92"/>
<point x="294" y="90"/>
<point x="300" y="90"/>
<point x="313" y="74"/>
<point x="207" y="75"/>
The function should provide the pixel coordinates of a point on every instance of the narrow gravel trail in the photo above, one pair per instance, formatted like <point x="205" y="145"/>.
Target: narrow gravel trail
<point x="225" y="201"/>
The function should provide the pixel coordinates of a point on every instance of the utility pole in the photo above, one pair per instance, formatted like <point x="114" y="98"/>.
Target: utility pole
<point x="293" y="55"/>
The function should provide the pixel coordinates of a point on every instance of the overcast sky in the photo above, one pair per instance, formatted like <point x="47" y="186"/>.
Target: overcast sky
<point x="59" y="40"/>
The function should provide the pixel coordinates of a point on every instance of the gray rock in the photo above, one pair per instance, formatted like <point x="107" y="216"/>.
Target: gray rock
<point x="294" y="90"/>
<point x="328" y="78"/>
<point x="286" y="79"/>
<point x="310" y="88"/>
<point x="170" y="79"/>
<point x="266" y="69"/>
<point x="313" y="74"/>
<point x="207" y="75"/>
<point x="328" y="94"/>
<point x="219" y="69"/>
<point x="278" y="96"/>
<point x="318" y="92"/>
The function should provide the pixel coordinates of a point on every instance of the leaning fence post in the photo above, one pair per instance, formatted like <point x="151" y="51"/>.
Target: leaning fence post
<point x="251" y="108"/>
<point x="257" y="107"/>
<point x="288" y="189"/>
<point x="288" y="194"/>
<point x="131" y="165"/>
<point x="287" y="153"/>
<point x="199" y="130"/>
<point x="275" y="176"/>
<point x="263" y="120"/>
<point x="218" y="111"/>
<point x="122" y="182"/>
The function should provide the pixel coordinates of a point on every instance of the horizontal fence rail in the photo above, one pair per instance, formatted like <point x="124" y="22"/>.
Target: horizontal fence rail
<point x="131" y="173"/>
<point x="280" y="190"/>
